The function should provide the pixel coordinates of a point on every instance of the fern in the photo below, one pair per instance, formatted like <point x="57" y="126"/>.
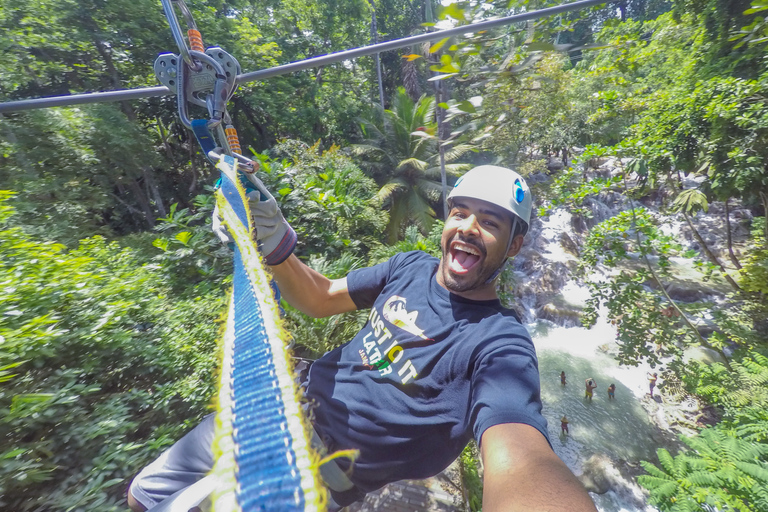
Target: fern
<point x="719" y="471"/>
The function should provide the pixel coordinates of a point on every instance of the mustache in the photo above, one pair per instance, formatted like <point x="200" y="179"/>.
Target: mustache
<point x="477" y="244"/>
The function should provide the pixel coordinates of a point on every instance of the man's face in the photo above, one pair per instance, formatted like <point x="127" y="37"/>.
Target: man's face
<point x="474" y="245"/>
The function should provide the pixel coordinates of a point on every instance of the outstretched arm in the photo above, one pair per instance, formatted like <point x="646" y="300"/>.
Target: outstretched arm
<point x="311" y="292"/>
<point x="522" y="473"/>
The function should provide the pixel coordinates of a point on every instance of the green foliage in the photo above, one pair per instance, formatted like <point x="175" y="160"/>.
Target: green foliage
<point x="106" y="369"/>
<point x="691" y="201"/>
<point x="400" y="148"/>
<point x="191" y="255"/>
<point x="470" y="475"/>
<point x="317" y="336"/>
<point x="757" y="31"/>
<point x="412" y="241"/>
<point x="754" y="275"/>
<point x="646" y="327"/>
<point x="326" y="198"/>
<point x="570" y="189"/>
<point x="720" y="471"/>
<point x="742" y="393"/>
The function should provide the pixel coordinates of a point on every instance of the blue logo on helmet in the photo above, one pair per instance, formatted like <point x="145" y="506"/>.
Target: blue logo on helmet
<point x="519" y="192"/>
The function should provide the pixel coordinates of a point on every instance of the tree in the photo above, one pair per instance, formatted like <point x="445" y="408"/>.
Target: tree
<point x="101" y="366"/>
<point x="400" y="151"/>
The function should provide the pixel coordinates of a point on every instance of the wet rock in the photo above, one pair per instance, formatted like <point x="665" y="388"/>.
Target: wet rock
<point x="560" y="314"/>
<point x="595" y="474"/>
<point x="594" y="163"/>
<point x="568" y="245"/>
<point x="579" y="225"/>
<point x="690" y="291"/>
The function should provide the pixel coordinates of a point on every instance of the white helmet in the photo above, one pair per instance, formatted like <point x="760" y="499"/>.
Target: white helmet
<point x="500" y="186"/>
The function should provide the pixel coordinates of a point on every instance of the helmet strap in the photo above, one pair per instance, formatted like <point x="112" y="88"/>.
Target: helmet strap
<point x="512" y="231"/>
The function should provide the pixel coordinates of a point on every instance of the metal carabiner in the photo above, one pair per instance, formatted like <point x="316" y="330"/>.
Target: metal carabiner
<point x="244" y="163"/>
<point x="173" y="21"/>
<point x="216" y="101"/>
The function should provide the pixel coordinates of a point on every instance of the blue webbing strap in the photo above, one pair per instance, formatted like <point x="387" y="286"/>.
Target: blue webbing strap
<point x="272" y="460"/>
<point x="204" y="137"/>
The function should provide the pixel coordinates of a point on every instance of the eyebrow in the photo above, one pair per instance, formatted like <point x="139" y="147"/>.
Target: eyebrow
<point x="484" y="211"/>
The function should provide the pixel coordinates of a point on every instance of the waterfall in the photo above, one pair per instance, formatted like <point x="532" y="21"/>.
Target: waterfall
<point x="607" y="437"/>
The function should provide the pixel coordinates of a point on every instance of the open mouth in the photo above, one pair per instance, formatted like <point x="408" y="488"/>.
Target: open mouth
<point x="463" y="257"/>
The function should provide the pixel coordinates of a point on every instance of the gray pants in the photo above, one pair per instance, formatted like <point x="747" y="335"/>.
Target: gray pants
<point x="175" y="481"/>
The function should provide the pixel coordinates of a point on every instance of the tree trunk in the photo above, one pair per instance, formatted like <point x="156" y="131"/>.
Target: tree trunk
<point x="411" y="79"/>
<point x="764" y="200"/>
<point x="105" y="53"/>
<point x="135" y="189"/>
<point x="193" y="165"/>
<point x="149" y="179"/>
<point x="376" y="58"/>
<point x="731" y="254"/>
<point x="710" y="255"/>
<point x="440" y="114"/>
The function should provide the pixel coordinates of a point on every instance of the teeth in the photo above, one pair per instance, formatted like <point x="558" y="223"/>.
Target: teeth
<point x="466" y="248"/>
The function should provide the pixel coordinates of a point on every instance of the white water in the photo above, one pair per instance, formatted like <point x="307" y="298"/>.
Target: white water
<point x="619" y="429"/>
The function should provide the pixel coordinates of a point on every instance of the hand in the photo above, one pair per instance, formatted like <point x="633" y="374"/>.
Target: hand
<point x="276" y="237"/>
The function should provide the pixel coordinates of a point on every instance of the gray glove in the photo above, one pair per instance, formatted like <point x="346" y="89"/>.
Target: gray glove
<point x="276" y="237"/>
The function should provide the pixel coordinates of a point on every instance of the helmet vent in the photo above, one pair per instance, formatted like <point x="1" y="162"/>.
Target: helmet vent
<point x="519" y="192"/>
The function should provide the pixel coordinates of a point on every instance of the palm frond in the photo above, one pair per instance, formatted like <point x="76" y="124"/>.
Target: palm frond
<point x="412" y="162"/>
<point x="459" y="150"/>
<point x="390" y="189"/>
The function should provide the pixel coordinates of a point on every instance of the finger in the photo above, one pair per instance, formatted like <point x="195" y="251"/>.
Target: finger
<point x="259" y="186"/>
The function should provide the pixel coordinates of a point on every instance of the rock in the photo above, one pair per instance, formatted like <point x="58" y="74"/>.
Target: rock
<point x="595" y="472"/>
<point x="560" y="314"/>
<point x="594" y="163"/>
<point x="567" y="243"/>
<point x="555" y="164"/>
<point x="689" y="291"/>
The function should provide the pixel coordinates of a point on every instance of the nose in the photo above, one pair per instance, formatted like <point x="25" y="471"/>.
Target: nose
<point x="469" y="225"/>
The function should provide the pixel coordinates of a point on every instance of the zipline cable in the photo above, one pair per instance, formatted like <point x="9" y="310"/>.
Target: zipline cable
<point x="148" y="92"/>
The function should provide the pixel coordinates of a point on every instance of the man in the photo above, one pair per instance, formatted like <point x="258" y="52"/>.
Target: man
<point x="440" y="360"/>
<point x="652" y="378"/>
<point x="591" y="385"/>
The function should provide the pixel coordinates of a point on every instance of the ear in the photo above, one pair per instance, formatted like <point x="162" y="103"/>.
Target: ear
<point x="517" y="244"/>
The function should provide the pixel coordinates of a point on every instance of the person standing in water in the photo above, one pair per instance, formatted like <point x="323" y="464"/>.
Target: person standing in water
<point x="562" y="378"/>
<point x="611" y="391"/>
<point x="591" y="385"/>
<point x="564" y="425"/>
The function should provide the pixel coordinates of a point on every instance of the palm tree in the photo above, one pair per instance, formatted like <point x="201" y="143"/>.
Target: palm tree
<point x="400" y="151"/>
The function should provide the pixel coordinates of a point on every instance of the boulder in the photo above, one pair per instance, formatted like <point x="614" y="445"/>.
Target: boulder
<point x="595" y="472"/>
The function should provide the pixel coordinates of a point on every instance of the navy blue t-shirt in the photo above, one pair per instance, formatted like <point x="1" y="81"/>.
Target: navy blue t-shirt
<point x="428" y="371"/>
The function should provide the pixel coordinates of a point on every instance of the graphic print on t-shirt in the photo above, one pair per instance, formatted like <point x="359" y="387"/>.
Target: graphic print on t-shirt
<point x="396" y="314"/>
<point x="383" y="351"/>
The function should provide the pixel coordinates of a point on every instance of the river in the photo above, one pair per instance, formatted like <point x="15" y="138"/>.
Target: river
<point x="618" y="429"/>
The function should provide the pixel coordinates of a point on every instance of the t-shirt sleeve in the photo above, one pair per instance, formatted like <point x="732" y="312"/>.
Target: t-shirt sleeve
<point x="365" y="284"/>
<point x="506" y="387"/>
